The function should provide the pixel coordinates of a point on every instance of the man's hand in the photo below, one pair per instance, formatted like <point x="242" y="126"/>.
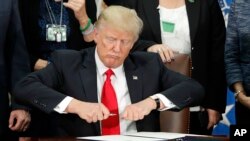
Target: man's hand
<point x="166" y="53"/>
<point x="213" y="117"/>
<point x="91" y="112"/>
<point x="138" y="110"/>
<point x="19" y="120"/>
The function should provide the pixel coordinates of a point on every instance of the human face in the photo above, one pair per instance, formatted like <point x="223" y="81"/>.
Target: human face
<point x="113" y="45"/>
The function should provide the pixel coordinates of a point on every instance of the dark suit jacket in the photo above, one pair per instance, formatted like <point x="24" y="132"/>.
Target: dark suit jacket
<point x="207" y="31"/>
<point x="14" y="62"/>
<point x="73" y="73"/>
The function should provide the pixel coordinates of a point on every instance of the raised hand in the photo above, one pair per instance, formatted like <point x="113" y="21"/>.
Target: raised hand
<point x="78" y="6"/>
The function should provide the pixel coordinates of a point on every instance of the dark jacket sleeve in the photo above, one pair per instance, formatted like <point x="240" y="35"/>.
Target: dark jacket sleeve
<point x="142" y="45"/>
<point x="42" y="89"/>
<point x="18" y="55"/>
<point x="182" y="90"/>
<point x="216" y="87"/>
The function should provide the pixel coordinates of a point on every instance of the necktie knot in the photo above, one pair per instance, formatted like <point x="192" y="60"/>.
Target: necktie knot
<point x="108" y="73"/>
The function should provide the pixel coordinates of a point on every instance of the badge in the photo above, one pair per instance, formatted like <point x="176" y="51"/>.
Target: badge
<point x="56" y="32"/>
<point x="168" y="26"/>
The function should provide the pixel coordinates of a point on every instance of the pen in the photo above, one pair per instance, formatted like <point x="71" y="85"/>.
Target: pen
<point x="111" y="114"/>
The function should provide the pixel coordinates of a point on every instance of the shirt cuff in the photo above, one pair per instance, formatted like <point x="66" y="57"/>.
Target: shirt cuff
<point x="166" y="102"/>
<point x="60" y="108"/>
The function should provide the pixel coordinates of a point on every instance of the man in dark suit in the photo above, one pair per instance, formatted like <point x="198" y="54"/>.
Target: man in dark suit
<point x="70" y="87"/>
<point x="14" y="64"/>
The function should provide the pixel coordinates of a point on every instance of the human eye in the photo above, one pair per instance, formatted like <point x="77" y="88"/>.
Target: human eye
<point x="126" y="42"/>
<point x="110" y="39"/>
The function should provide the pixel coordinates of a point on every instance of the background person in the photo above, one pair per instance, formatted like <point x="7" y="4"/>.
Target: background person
<point x="41" y="16"/>
<point x="237" y="56"/>
<point x="14" y="64"/>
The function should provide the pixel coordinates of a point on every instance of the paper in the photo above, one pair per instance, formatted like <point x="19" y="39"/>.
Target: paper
<point x="119" y="138"/>
<point x="139" y="136"/>
<point x="159" y="135"/>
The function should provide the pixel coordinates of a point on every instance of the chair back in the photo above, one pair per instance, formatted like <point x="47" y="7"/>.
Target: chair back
<point x="172" y="121"/>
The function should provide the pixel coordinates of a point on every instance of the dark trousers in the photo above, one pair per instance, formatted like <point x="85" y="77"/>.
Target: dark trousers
<point x="242" y="114"/>
<point x="8" y="135"/>
<point x="198" y="123"/>
<point x="44" y="125"/>
<point x="5" y="133"/>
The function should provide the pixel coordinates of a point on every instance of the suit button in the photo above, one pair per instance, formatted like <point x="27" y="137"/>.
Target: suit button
<point x="192" y="48"/>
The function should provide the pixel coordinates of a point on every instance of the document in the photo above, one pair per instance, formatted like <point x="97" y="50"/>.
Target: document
<point x="119" y="138"/>
<point x="159" y="135"/>
<point x="138" y="136"/>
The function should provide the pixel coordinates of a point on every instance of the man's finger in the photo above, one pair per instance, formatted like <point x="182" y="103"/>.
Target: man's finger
<point x="105" y="111"/>
<point x="94" y="118"/>
<point x="26" y="124"/>
<point x="11" y="121"/>
<point x="17" y="126"/>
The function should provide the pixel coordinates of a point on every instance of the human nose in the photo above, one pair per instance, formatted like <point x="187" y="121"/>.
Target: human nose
<point x="117" y="46"/>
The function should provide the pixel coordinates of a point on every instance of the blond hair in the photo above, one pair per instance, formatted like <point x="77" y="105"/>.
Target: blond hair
<point x="121" y="18"/>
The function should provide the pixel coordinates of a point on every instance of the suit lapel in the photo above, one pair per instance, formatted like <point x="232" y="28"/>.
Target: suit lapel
<point x="88" y="77"/>
<point x="151" y="12"/>
<point x="193" y="13"/>
<point x="134" y="81"/>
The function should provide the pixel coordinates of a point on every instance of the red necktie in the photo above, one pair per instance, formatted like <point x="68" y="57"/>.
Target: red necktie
<point x="111" y="125"/>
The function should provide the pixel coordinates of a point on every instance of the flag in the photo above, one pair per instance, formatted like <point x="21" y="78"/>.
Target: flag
<point x="225" y="8"/>
<point x="222" y="128"/>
